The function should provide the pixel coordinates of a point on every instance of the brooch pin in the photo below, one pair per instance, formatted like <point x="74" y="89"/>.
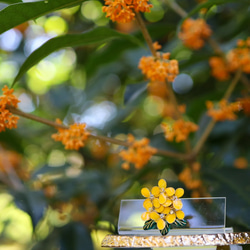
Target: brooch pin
<point x="163" y="208"/>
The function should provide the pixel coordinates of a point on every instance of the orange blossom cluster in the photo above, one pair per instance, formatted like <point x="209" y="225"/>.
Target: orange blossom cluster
<point x="241" y="163"/>
<point x="237" y="58"/>
<point x="7" y="119"/>
<point x="73" y="137"/>
<point x="219" y="68"/>
<point x="194" y="33"/>
<point x="178" y="130"/>
<point x="223" y="110"/>
<point x="189" y="178"/>
<point x="123" y="11"/>
<point x="160" y="68"/>
<point x="138" y="153"/>
<point x="245" y="104"/>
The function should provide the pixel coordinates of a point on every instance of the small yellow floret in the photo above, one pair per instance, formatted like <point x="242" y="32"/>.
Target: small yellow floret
<point x="177" y="204"/>
<point x="162" y="198"/>
<point x="162" y="183"/>
<point x="161" y="224"/>
<point x="155" y="191"/>
<point x="145" y="216"/>
<point x="179" y="192"/>
<point x="156" y="203"/>
<point x="168" y="203"/>
<point x="170" y="191"/>
<point x="171" y="218"/>
<point x="180" y="214"/>
<point x="147" y="205"/>
<point x="166" y="210"/>
<point x="160" y="209"/>
<point x="154" y="216"/>
<point x="145" y="192"/>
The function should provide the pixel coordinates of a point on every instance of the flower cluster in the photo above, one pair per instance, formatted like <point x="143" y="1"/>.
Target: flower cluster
<point x="73" y="137"/>
<point x="245" y="105"/>
<point x="219" y="68"/>
<point x="7" y="119"/>
<point x="237" y="58"/>
<point x="160" y="68"/>
<point x="138" y="153"/>
<point x="123" y="11"/>
<point x="163" y="207"/>
<point x="241" y="163"/>
<point x="194" y="33"/>
<point x="223" y="110"/>
<point x="178" y="130"/>
<point x="188" y="178"/>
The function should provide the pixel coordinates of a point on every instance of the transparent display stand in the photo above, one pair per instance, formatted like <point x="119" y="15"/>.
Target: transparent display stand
<point x="205" y="229"/>
<point x="203" y="215"/>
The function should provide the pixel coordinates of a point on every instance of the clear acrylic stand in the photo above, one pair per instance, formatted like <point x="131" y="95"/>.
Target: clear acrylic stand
<point x="204" y="215"/>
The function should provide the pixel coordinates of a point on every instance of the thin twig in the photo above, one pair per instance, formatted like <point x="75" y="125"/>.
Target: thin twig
<point x="245" y="81"/>
<point x="145" y="33"/>
<point x="215" y="46"/>
<point x="232" y="84"/>
<point x="212" y="123"/>
<point x="177" y="8"/>
<point x="204" y="137"/>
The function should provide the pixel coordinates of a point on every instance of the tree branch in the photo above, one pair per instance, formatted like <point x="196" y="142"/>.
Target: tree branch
<point x="98" y="137"/>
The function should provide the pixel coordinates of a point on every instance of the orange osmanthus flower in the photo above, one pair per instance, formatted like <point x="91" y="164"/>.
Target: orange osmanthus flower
<point x="219" y="68"/>
<point x="123" y="11"/>
<point x="178" y="130"/>
<point x="190" y="180"/>
<point x="241" y="163"/>
<point x="245" y="105"/>
<point x="239" y="58"/>
<point x="194" y="33"/>
<point x="223" y="110"/>
<point x="160" y="68"/>
<point x="236" y="59"/>
<point x="73" y="137"/>
<point x="138" y="153"/>
<point x="7" y="119"/>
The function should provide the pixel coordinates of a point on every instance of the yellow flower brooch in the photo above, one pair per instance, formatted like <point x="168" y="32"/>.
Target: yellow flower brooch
<point x="163" y="208"/>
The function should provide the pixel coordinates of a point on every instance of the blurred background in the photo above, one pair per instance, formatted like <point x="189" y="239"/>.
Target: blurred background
<point x="57" y="199"/>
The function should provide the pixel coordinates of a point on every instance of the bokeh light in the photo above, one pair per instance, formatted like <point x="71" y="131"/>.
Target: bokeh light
<point x="10" y="40"/>
<point x="92" y="10"/>
<point x="55" y="25"/>
<point x="156" y="13"/>
<point x="182" y="84"/>
<point x="97" y="115"/>
<point x="8" y="70"/>
<point x="153" y="105"/>
<point x="26" y="104"/>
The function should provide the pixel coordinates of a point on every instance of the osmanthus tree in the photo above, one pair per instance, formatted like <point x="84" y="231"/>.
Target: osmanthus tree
<point x="135" y="91"/>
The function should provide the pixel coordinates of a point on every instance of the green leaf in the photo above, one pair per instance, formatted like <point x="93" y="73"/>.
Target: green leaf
<point x="209" y="4"/>
<point x="165" y="230"/>
<point x="234" y="185"/>
<point x="10" y="1"/>
<point x="150" y="224"/>
<point x="19" y="13"/>
<point x="94" y="36"/>
<point x="180" y="223"/>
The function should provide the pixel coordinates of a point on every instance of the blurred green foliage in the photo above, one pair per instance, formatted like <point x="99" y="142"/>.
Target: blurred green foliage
<point x="87" y="72"/>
